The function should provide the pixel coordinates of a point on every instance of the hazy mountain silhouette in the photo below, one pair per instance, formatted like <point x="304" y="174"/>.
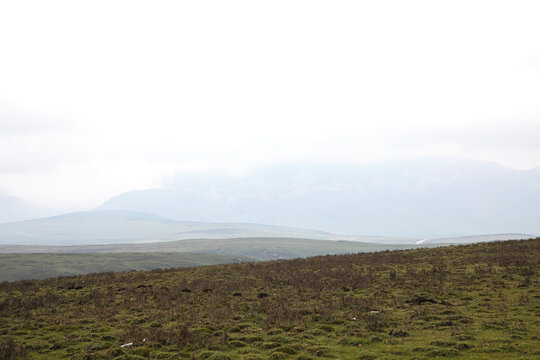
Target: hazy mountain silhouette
<point x="421" y="198"/>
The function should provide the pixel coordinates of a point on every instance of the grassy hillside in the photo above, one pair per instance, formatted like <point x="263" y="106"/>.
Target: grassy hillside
<point x="126" y="227"/>
<point x="465" y="302"/>
<point x="41" y="266"/>
<point x="261" y="248"/>
<point x="109" y="227"/>
<point x="475" y="238"/>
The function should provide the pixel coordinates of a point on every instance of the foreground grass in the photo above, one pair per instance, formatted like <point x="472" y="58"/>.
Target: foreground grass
<point x="42" y="266"/>
<point x="476" y="301"/>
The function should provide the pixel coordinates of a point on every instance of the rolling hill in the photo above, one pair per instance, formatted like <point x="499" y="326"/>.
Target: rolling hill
<point x="475" y="239"/>
<point x="42" y="266"/>
<point x="120" y="226"/>
<point x="260" y="248"/>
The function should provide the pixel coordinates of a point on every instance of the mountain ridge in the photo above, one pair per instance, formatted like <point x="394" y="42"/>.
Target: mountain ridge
<point x="424" y="198"/>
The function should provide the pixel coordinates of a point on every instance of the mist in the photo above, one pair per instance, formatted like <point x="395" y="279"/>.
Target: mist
<point x="234" y="99"/>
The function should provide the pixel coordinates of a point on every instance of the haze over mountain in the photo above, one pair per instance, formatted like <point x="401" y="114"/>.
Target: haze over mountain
<point x="14" y="209"/>
<point x="109" y="227"/>
<point x="421" y="198"/>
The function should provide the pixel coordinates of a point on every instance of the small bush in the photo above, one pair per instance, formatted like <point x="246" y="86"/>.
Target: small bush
<point x="367" y="357"/>
<point x="211" y="355"/>
<point x="287" y="350"/>
<point x="9" y="349"/>
<point x="275" y="331"/>
<point x="327" y="328"/>
<point x="116" y="352"/>
<point x="253" y="338"/>
<point x="443" y="352"/>
<point x="281" y="339"/>
<point x="142" y="351"/>
<point x="399" y="333"/>
<point x="463" y="346"/>
<point x="320" y="351"/>
<point x="278" y="356"/>
<point x="219" y="356"/>
<point x="237" y="343"/>
<point x="442" y="343"/>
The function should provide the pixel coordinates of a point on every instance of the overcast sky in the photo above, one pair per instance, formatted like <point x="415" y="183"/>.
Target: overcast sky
<point x="101" y="97"/>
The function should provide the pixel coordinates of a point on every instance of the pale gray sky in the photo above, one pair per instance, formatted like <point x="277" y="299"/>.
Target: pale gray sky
<point x="101" y="97"/>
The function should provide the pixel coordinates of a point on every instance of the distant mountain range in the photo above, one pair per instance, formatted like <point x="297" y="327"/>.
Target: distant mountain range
<point x="392" y="202"/>
<point x="418" y="199"/>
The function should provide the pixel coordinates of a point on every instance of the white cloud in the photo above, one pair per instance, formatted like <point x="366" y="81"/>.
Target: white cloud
<point x="153" y="88"/>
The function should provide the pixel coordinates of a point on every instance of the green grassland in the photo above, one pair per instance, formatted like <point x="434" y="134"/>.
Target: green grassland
<point x="41" y="266"/>
<point x="264" y="248"/>
<point x="478" y="301"/>
<point x="23" y="262"/>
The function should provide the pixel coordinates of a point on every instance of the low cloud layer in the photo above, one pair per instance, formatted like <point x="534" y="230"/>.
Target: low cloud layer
<point x="101" y="98"/>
